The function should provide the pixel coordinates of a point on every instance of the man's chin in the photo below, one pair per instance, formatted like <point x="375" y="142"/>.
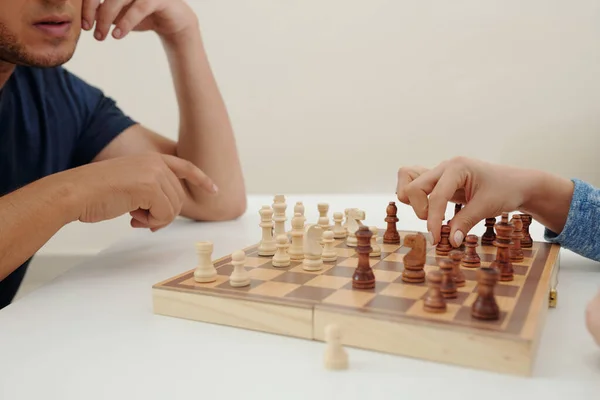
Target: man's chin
<point x="47" y="59"/>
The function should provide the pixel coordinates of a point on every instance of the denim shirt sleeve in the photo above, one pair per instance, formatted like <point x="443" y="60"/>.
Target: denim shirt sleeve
<point x="581" y="231"/>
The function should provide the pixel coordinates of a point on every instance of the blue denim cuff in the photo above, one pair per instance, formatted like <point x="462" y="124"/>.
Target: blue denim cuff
<point x="579" y="232"/>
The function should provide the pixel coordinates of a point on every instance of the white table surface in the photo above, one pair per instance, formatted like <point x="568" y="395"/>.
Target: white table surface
<point x="91" y="333"/>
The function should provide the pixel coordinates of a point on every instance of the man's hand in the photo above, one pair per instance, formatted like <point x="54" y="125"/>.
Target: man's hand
<point x="146" y="186"/>
<point x="168" y="18"/>
<point x="486" y="190"/>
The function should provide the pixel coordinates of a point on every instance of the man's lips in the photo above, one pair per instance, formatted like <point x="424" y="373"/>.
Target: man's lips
<point x="56" y="26"/>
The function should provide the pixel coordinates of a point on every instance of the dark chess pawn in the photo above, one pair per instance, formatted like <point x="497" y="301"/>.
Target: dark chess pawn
<point x="459" y="277"/>
<point x="444" y="246"/>
<point x="485" y="306"/>
<point x="434" y="302"/>
<point x="489" y="235"/>
<point x="391" y="235"/>
<point x="471" y="258"/>
<point x="502" y="262"/>
<point x="526" y="242"/>
<point x="448" y="286"/>
<point x="414" y="261"/>
<point x="363" y="277"/>
<point x="516" y="252"/>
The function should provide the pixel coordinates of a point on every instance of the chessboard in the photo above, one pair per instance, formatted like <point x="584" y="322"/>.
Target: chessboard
<point x="387" y="289"/>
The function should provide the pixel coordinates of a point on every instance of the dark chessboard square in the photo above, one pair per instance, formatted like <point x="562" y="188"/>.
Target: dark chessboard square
<point x="520" y="269"/>
<point x="470" y="273"/>
<point x="528" y="253"/>
<point x="506" y="290"/>
<point x="294" y="277"/>
<point x="379" y="286"/>
<point x="345" y="272"/>
<point x="390" y="303"/>
<point x="399" y="280"/>
<point x="313" y="293"/>
<point x="269" y="265"/>
<point x="459" y="299"/>
<point x="253" y="284"/>
<point x="385" y="265"/>
<point x="226" y="269"/>
<point x="464" y="315"/>
<point x="487" y="257"/>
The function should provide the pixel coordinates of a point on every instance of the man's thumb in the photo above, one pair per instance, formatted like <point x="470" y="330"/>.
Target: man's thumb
<point x="464" y="221"/>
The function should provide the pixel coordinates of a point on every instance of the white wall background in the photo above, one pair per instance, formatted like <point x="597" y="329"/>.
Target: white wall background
<point x="334" y="96"/>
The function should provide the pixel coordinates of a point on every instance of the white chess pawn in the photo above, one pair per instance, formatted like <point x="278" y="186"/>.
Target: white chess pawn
<point x="336" y="357"/>
<point x="296" y="249"/>
<point x="329" y="253"/>
<point x="323" y="220"/>
<point x="267" y="244"/>
<point x="281" y="257"/>
<point x="376" y="252"/>
<point x="239" y="277"/>
<point x="299" y="208"/>
<point x="205" y="270"/>
<point x="339" y="232"/>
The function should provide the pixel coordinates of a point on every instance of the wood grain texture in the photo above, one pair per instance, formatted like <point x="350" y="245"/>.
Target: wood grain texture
<point x="390" y="317"/>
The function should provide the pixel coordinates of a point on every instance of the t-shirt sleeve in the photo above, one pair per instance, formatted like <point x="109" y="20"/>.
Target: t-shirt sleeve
<point x="99" y="119"/>
<point x="580" y="233"/>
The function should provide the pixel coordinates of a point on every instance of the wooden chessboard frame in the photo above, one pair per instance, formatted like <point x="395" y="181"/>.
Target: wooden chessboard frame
<point x="475" y="344"/>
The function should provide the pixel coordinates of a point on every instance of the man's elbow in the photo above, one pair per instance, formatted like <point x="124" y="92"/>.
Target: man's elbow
<point x="219" y="210"/>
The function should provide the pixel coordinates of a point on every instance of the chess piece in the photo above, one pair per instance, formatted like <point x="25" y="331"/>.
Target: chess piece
<point x="502" y="262"/>
<point x="267" y="244"/>
<point x="323" y="220"/>
<point x="457" y="208"/>
<point x="279" y="217"/>
<point x="205" y="270"/>
<point x="448" y="286"/>
<point x="485" y="306"/>
<point x="376" y="252"/>
<point x="516" y="252"/>
<point x="444" y="246"/>
<point x="339" y="232"/>
<point x="355" y="216"/>
<point x="489" y="235"/>
<point x="296" y="249"/>
<point x="414" y="260"/>
<point x="239" y="277"/>
<point x="329" y="253"/>
<point x="336" y="357"/>
<point x="471" y="258"/>
<point x="391" y="235"/>
<point x="313" y="260"/>
<point x="526" y="242"/>
<point x="459" y="277"/>
<point x="434" y="302"/>
<point x="281" y="257"/>
<point x="363" y="277"/>
<point x="299" y="208"/>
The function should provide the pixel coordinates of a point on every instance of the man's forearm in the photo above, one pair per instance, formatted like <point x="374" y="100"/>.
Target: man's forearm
<point x="29" y="217"/>
<point x="206" y="137"/>
<point x="548" y="199"/>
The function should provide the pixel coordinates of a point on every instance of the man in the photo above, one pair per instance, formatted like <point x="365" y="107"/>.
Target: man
<point x="68" y="153"/>
<point x="569" y="209"/>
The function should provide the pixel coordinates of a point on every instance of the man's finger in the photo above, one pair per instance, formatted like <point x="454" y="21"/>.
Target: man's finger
<point x="476" y="210"/>
<point x="184" y="169"/>
<point x="107" y="13"/>
<point x="405" y="176"/>
<point x="449" y="182"/>
<point x="133" y="17"/>
<point x="88" y="13"/>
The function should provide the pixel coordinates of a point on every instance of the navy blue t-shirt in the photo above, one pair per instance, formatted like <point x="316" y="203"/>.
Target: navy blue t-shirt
<point x="50" y="121"/>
